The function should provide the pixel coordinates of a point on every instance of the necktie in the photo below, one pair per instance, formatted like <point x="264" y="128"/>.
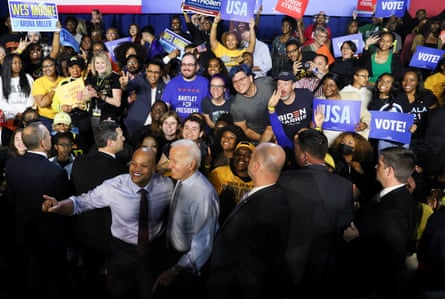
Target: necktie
<point x="171" y="211"/>
<point x="143" y="235"/>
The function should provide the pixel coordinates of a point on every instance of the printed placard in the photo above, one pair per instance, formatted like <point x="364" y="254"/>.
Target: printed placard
<point x="293" y="8"/>
<point x="111" y="45"/>
<point x="67" y="39"/>
<point x="71" y="93"/>
<point x="33" y="16"/>
<point x="391" y="126"/>
<point x="426" y="58"/>
<point x="387" y="8"/>
<point x="237" y="10"/>
<point x="204" y="7"/>
<point x="357" y="39"/>
<point x="366" y="5"/>
<point x="339" y="115"/>
<point x="171" y="41"/>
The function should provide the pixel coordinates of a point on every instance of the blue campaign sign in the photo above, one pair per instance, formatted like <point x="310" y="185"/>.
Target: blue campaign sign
<point x="387" y="8"/>
<point x="339" y="115"/>
<point x="426" y="58"/>
<point x="237" y="10"/>
<point x="391" y="126"/>
<point x="206" y="7"/>
<point x="171" y="41"/>
<point x="67" y="39"/>
<point x="33" y="16"/>
<point x="357" y="39"/>
<point x="111" y="45"/>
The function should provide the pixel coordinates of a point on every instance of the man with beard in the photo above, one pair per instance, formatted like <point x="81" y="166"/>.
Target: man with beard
<point x="289" y="109"/>
<point x="148" y="88"/>
<point x="249" y="105"/>
<point x="232" y="181"/>
<point x="185" y="92"/>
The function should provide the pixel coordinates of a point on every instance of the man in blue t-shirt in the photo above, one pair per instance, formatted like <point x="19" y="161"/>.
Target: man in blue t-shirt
<point x="289" y="108"/>
<point x="185" y="92"/>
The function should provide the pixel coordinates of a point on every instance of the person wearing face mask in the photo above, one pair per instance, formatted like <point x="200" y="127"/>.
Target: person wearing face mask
<point x="354" y="160"/>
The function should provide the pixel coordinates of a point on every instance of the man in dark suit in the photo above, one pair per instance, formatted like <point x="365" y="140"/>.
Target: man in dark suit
<point x="383" y="229"/>
<point x="93" y="227"/>
<point x="249" y="246"/>
<point x="5" y="136"/>
<point x="148" y="88"/>
<point x="321" y="206"/>
<point x="41" y="238"/>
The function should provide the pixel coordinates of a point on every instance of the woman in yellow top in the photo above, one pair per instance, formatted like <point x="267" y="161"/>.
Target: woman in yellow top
<point x="44" y="89"/>
<point x="229" y="51"/>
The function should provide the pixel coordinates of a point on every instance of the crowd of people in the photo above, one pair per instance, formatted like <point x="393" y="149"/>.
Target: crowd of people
<point x="206" y="172"/>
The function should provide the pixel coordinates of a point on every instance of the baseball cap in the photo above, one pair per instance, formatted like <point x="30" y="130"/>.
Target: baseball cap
<point x="76" y="60"/>
<point x="245" y="144"/>
<point x="286" y="76"/>
<point x="62" y="118"/>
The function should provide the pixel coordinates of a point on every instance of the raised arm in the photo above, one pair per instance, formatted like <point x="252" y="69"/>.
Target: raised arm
<point x="213" y="31"/>
<point x="252" y="40"/>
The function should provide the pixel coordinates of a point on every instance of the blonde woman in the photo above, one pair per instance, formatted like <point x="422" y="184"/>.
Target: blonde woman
<point x="103" y="88"/>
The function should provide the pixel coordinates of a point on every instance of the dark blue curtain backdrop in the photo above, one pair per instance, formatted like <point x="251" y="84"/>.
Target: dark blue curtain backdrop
<point x="269" y="28"/>
<point x="270" y="25"/>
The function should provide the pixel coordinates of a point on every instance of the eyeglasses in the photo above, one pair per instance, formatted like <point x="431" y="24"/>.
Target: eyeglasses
<point x="47" y="66"/>
<point x="216" y="86"/>
<point x="239" y="80"/>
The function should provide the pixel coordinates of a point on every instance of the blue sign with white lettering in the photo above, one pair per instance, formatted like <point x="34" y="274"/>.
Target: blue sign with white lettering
<point x="339" y="115"/>
<point x="426" y="58"/>
<point x="357" y="39"/>
<point x="111" y="45"/>
<point x="387" y="8"/>
<point x="206" y="7"/>
<point x="33" y="15"/>
<point x="237" y="10"/>
<point x="391" y="126"/>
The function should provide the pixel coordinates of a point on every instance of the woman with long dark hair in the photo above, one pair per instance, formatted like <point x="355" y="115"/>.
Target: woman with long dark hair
<point x="418" y="100"/>
<point x="15" y="87"/>
<point x="381" y="59"/>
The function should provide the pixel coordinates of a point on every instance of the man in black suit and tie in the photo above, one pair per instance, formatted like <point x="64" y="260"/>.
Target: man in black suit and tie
<point x="41" y="238"/>
<point x="321" y="206"/>
<point x="249" y="246"/>
<point x="383" y="229"/>
<point x="93" y="227"/>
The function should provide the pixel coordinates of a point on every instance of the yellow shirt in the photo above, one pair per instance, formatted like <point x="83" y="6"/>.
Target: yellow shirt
<point x="223" y="178"/>
<point x="41" y="87"/>
<point x="436" y="83"/>
<point x="221" y="51"/>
